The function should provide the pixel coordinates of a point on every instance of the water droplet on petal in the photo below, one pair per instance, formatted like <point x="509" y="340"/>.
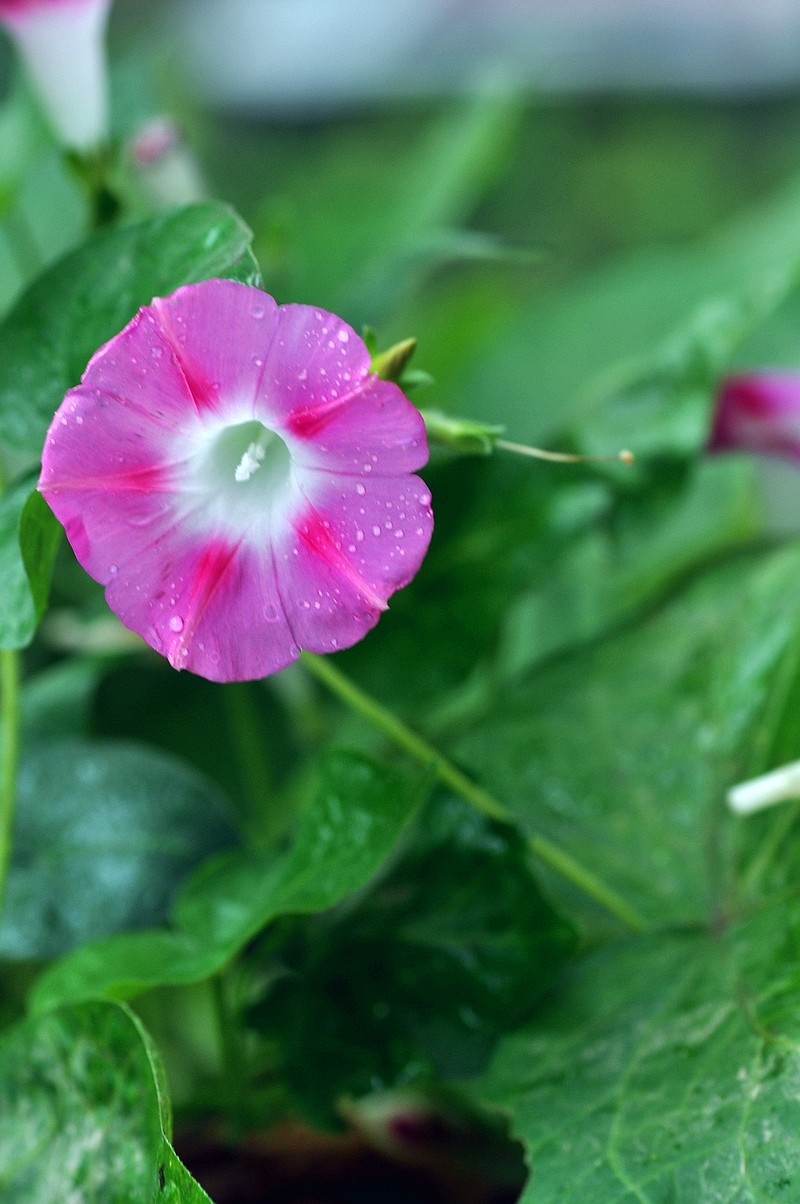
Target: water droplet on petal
<point x="343" y="336"/>
<point x="270" y="614"/>
<point x="112" y="568"/>
<point x="376" y="530"/>
<point x="257" y="311"/>
<point x="361" y="489"/>
<point x="176" y="624"/>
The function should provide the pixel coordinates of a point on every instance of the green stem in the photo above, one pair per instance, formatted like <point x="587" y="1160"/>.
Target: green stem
<point x="561" y="862"/>
<point x="232" y="1064"/>
<point x="244" y="725"/>
<point x="9" y="709"/>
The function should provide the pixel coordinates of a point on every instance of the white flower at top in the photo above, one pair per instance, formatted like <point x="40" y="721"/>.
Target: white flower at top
<point x="62" y="43"/>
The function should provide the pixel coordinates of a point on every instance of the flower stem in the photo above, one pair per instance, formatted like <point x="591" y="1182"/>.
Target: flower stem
<point x="556" y="858"/>
<point x="247" y="737"/>
<point x="231" y="1063"/>
<point x="9" y="709"/>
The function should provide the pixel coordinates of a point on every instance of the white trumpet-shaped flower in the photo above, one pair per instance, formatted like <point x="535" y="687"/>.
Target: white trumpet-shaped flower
<point x="62" y="43"/>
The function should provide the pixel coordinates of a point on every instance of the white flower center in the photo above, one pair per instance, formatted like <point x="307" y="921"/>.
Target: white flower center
<point x="244" y="472"/>
<point x="238" y="453"/>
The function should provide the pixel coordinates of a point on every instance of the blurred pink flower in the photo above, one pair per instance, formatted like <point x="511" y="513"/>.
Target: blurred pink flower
<point x="758" y="413"/>
<point x="233" y="474"/>
<point x="61" y="42"/>
<point x="164" y="164"/>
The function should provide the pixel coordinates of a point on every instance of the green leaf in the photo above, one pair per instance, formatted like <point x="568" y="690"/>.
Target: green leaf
<point x="222" y="733"/>
<point x="664" y="1069"/>
<point x="611" y="570"/>
<point x="22" y="138"/>
<point x="350" y="827"/>
<point x="104" y="833"/>
<point x="29" y="538"/>
<point x="84" y="1113"/>
<point x="620" y="752"/>
<point x="178" y="1185"/>
<point x="90" y="295"/>
<point x="56" y="701"/>
<point x="418" y="979"/>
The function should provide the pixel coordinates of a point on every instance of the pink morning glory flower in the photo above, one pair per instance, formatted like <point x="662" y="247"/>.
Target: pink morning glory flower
<point x="61" y="42"/>
<point x="239" y="481"/>
<point x="758" y="413"/>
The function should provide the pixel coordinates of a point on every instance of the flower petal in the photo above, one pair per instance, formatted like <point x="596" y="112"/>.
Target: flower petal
<point x="315" y="360"/>
<point x="221" y="333"/>
<point x="355" y="544"/>
<point x="758" y="413"/>
<point x="374" y="432"/>
<point x="209" y="606"/>
<point x="139" y="369"/>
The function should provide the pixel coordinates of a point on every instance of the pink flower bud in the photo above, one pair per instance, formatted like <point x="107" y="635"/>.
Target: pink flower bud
<point x="61" y="42"/>
<point x="164" y="164"/>
<point x="758" y="413"/>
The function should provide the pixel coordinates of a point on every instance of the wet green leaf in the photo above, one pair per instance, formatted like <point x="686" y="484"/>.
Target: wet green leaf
<point x="664" y="1069"/>
<point x="417" y="980"/>
<point x="89" y="295"/>
<point x="621" y="752"/>
<point x="29" y="538"/>
<point x="351" y="825"/>
<point x="104" y="834"/>
<point x="84" y="1113"/>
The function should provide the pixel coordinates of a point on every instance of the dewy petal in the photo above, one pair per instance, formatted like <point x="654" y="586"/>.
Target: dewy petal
<point x="214" y="609"/>
<point x="233" y="517"/>
<point x="758" y="413"/>
<point x="61" y="42"/>
<point x="221" y="332"/>
<point x="374" y="432"/>
<point x="355" y="544"/>
<point x="315" y="361"/>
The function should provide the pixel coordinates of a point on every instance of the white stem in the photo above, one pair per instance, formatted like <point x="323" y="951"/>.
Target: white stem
<point x="765" y="791"/>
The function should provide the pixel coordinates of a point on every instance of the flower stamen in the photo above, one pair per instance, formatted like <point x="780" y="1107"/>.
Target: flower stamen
<point x="251" y="461"/>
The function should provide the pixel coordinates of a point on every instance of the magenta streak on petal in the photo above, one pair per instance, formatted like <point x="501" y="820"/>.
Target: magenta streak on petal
<point x="201" y="390"/>
<point x="307" y="423"/>
<point x="215" y="561"/>
<point x="138" y="480"/>
<point x="315" y="536"/>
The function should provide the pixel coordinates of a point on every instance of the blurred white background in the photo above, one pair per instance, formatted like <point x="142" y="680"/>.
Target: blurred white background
<point x="304" y="55"/>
